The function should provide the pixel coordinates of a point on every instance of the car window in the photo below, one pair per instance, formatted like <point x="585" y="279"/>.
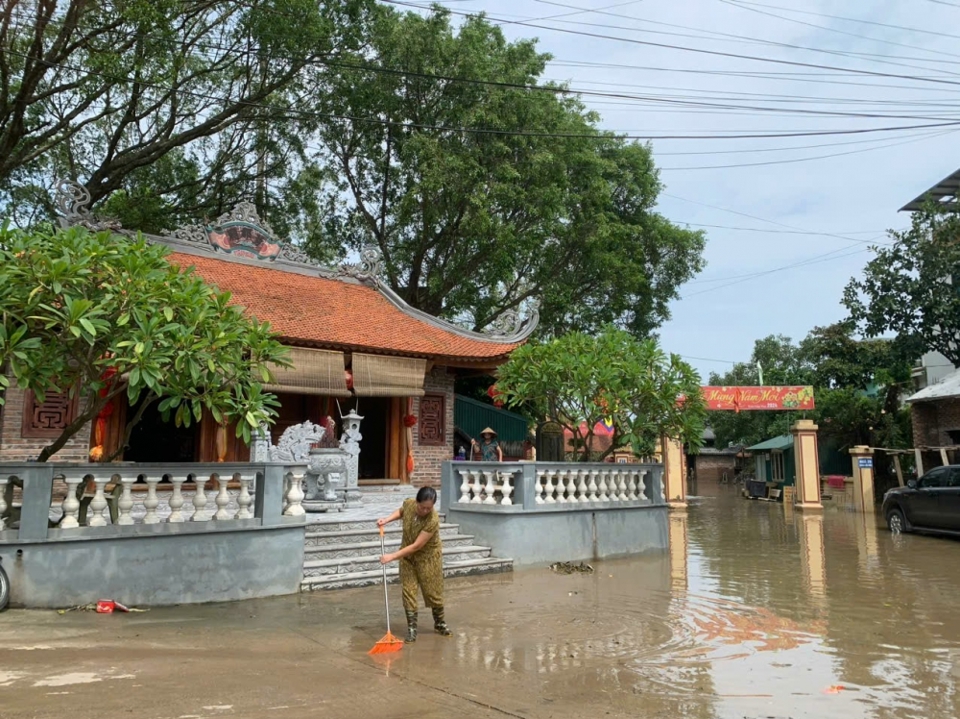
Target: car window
<point x="934" y="478"/>
<point x="953" y="478"/>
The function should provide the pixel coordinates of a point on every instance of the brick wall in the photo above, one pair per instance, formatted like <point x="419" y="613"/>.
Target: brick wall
<point x="15" y="448"/>
<point x="931" y="422"/>
<point x="428" y="460"/>
<point x="711" y="467"/>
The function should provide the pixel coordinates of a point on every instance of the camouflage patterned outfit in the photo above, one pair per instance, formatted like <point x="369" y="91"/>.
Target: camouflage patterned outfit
<point x="422" y="570"/>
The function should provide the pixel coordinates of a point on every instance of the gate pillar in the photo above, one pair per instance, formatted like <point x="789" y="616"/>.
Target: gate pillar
<point x="674" y="476"/>
<point x="807" y="458"/>
<point x="863" y="497"/>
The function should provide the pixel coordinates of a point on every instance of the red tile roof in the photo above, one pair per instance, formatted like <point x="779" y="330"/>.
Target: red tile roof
<point x="311" y="310"/>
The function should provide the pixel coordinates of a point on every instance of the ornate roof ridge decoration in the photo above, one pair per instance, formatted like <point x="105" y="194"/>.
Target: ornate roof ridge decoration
<point x="73" y="201"/>
<point x="241" y="235"/>
<point x="508" y="328"/>
<point x="368" y="270"/>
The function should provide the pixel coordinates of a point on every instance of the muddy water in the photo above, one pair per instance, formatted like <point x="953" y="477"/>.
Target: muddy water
<point x="754" y="613"/>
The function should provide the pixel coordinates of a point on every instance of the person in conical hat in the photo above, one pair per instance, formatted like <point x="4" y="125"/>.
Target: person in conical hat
<point x="489" y="447"/>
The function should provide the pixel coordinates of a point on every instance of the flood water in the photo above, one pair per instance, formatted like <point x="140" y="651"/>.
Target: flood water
<point x="757" y="612"/>
<point x="780" y="613"/>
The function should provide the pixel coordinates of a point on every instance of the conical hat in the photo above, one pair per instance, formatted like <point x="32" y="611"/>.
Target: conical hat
<point x="488" y="431"/>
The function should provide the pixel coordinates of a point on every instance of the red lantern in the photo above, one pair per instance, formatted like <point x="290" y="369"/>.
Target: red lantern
<point x="494" y="394"/>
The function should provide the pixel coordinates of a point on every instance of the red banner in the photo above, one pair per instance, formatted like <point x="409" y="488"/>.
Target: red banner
<point x="754" y="398"/>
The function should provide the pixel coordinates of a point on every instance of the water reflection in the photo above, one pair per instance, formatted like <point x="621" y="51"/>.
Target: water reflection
<point x="813" y="560"/>
<point x="756" y="611"/>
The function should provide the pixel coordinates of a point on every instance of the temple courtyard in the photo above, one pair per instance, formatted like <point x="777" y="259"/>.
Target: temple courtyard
<point x="754" y="613"/>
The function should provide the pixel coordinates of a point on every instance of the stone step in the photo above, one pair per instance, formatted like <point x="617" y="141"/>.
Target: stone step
<point x="385" y="485"/>
<point x="362" y="531"/>
<point x="353" y="549"/>
<point x="371" y="562"/>
<point x="364" y="579"/>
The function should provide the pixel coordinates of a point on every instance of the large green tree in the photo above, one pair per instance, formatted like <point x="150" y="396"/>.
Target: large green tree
<point x="579" y="380"/>
<point x="911" y="288"/>
<point x="485" y="186"/>
<point x="100" y="316"/>
<point x="172" y="109"/>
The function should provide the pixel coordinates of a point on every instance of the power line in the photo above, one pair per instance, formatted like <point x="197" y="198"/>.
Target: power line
<point x="776" y="232"/>
<point x="680" y="101"/>
<point x="598" y="135"/>
<point x="702" y="51"/>
<point x="763" y="219"/>
<point x="812" y="261"/>
<point x="708" y="359"/>
<point x="731" y="37"/>
<point x="743" y="6"/>
<point x="849" y="19"/>
<point x="926" y="136"/>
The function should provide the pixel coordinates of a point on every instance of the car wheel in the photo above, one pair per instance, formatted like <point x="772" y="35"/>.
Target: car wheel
<point x="4" y="590"/>
<point x="896" y="521"/>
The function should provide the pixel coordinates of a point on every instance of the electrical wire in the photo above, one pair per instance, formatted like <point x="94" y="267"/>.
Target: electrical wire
<point x="598" y="135"/>
<point x="849" y="19"/>
<point x="744" y="6"/>
<point x="732" y="37"/>
<point x="764" y="219"/>
<point x="702" y="51"/>
<point x="809" y="158"/>
<point x="744" y="278"/>
<point x="679" y="101"/>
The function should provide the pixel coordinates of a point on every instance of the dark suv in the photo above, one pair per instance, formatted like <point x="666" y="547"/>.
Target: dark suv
<point x="930" y="504"/>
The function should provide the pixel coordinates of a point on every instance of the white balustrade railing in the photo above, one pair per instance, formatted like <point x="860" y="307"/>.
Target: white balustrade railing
<point x="492" y="485"/>
<point x="556" y="486"/>
<point x="103" y="495"/>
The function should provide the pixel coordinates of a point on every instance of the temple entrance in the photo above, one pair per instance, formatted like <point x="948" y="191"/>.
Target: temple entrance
<point x="153" y="440"/>
<point x="375" y="443"/>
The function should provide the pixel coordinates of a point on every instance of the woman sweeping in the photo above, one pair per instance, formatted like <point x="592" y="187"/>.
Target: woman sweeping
<point x="421" y="559"/>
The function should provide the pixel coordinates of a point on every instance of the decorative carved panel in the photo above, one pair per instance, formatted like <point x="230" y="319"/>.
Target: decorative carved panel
<point x="432" y="420"/>
<point x="49" y="419"/>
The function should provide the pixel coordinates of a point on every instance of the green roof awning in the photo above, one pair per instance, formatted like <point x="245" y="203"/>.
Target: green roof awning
<point x="784" y="441"/>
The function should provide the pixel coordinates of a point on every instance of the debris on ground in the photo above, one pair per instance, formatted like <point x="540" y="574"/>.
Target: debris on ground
<point x="571" y="568"/>
<point x="104" y="606"/>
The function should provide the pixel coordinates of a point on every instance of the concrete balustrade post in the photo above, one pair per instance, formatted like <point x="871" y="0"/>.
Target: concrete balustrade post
<point x="37" y="495"/>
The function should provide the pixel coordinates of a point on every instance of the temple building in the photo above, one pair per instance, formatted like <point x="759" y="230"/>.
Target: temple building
<point x="354" y="344"/>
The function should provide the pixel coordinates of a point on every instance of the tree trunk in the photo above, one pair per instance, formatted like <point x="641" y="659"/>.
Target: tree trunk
<point x="128" y="430"/>
<point x="68" y="432"/>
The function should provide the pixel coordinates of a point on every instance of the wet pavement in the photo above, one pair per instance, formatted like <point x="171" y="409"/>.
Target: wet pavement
<point x="754" y="613"/>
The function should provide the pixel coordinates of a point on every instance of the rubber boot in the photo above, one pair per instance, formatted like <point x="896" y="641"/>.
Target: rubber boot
<point x="439" y="623"/>
<point x="411" y="627"/>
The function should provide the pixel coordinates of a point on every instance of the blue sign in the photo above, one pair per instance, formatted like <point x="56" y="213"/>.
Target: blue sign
<point x="866" y="463"/>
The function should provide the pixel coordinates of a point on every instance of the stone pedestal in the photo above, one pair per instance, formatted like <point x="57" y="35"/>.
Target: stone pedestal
<point x="863" y="496"/>
<point x="807" y="460"/>
<point x="674" y="481"/>
<point x="325" y="478"/>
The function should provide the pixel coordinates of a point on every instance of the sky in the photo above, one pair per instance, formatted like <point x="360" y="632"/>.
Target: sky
<point x="789" y="220"/>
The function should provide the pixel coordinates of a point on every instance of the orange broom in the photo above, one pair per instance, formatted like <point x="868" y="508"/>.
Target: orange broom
<point x="389" y="643"/>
